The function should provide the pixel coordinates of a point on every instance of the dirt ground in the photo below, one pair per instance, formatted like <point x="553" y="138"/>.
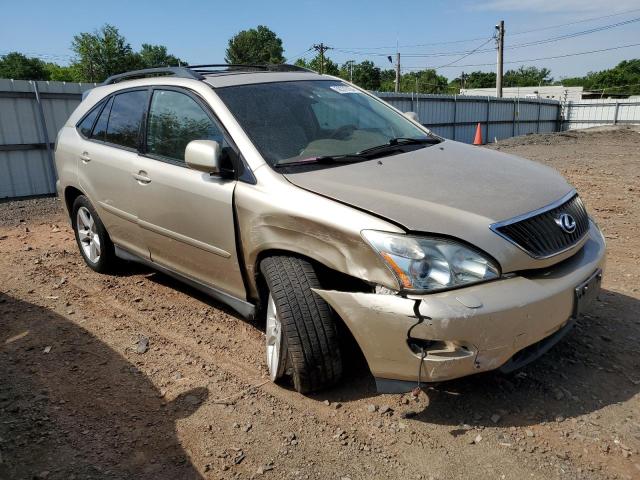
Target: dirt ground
<point x="78" y="400"/>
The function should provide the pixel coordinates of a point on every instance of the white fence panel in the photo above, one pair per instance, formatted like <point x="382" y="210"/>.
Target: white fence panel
<point x="598" y="112"/>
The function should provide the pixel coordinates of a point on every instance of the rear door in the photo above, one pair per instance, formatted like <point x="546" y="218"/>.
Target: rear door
<point x="106" y="164"/>
<point x="186" y="216"/>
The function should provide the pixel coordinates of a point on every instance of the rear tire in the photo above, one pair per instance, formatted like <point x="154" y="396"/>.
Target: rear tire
<point x="92" y="238"/>
<point x="310" y="348"/>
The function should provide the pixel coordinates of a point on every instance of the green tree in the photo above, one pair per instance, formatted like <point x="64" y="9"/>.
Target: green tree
<point x="624" y="78"/>
<point x="330" y="67"/>
<point x="256" y="45"/>
<point x="474" y="80"/>
<point x="151" y="56"/>
<point x="424" y="81"/>
<point x="527" y="77"/>
<point x="102" y="53"/>
<point x="20" y="67"/>
<point x="365" y="74"/>
<point x="387" y="80"/>
<point x="61" y="73"/>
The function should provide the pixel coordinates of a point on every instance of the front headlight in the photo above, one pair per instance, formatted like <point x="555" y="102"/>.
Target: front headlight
<point x="428" y="264"/>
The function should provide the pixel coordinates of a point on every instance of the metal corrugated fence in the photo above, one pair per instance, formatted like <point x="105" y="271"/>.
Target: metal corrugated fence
<point x="607" y="111"/>
<point x="456" y="117"/>
<point x="31" y="113"/>
<point x="26" y="164"/>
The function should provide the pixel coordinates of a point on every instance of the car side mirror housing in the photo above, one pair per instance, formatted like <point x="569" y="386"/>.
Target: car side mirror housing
<point x="412" y="116"/>
<point x="203" y="155"/>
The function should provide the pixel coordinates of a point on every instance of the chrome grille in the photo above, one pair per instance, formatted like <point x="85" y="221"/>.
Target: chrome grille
<point x="539" y="234"/>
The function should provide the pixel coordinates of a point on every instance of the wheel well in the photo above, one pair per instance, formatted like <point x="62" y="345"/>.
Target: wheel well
<point x="70" y="195"/>
<point x="329" y="277"/>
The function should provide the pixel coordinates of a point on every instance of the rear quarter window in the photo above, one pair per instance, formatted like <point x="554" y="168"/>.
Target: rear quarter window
<point x="86" y="125"/>
<point x="100" y="128"/>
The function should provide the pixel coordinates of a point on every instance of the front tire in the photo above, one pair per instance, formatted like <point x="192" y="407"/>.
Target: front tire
<point x="309" y="349"/>
<point x="92" y="238"/>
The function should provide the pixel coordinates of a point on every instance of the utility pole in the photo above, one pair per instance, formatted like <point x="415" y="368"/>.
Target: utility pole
<point x="350" y="63"/>
<point x="397" y="72"/>
<point x="321" y="48"/>
<point x="500" y="62"/>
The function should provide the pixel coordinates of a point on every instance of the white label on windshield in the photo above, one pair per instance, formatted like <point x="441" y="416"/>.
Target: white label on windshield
<point x="344" y="89"/>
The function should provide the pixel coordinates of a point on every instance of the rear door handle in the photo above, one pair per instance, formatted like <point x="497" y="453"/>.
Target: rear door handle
<point x="141" y="177"/>
<point x="84" y="156"/>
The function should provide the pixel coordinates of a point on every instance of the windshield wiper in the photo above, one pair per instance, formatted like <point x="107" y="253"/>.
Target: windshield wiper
<point x="325" y="159"/>
<point x="394" y="143"/>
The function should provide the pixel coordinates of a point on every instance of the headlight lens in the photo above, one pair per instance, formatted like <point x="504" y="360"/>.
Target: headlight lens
<point x="427" y="264"/>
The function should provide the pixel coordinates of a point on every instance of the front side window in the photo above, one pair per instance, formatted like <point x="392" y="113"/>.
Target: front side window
<point x="299" y="121"/>
<point x="175" y="119"/>
<point x="125" y="119"/>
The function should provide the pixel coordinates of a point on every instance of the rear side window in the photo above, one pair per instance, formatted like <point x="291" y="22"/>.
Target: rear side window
<point x="125" y="118"/>
<point x="175" y="119"/>
<point x="87" y="123"/>
<point x="100" y="129"/>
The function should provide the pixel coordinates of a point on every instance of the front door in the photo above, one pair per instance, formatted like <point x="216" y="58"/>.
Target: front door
<point x="186" y="216"/>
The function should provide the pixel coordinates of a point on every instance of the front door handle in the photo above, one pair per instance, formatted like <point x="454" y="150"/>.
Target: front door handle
<point x="84" y="156"/>
<point x="141" y="177"/>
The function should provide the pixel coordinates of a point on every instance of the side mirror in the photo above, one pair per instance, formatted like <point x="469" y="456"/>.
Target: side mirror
<point x="203" y="155"/>
<point x="412" y="116"/>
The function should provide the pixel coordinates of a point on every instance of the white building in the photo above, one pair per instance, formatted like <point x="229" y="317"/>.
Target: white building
<point x="553" y="92"/>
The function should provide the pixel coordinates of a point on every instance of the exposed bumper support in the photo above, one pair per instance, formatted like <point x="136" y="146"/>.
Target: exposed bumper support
<point x="474" y="329"/>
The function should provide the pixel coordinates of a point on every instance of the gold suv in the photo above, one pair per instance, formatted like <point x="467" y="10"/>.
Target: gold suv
<point x="303" y="200"/>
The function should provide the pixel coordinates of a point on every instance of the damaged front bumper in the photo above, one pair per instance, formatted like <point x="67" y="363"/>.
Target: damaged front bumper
<point x="469" y="330"/>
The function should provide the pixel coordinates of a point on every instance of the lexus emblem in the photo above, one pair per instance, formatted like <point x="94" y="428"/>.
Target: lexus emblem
<point x="566" y="222"/>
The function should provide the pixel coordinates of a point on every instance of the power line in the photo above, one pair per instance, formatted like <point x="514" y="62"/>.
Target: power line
<point x="575" y="34"/>
<point x="532" y="59"/>
<point x="41" y="56"/>
<point x="468" y="40"/>
<point x="509" y="47"/>
<point x="302" y="54"/>
<point x="602" y="17"/>
<point x="467" y="54"/>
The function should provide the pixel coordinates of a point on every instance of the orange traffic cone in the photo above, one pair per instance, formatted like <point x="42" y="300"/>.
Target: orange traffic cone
<point x="478" y="138"/>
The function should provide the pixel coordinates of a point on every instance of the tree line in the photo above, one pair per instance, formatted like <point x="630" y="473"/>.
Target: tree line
<point x="105" y="52"/>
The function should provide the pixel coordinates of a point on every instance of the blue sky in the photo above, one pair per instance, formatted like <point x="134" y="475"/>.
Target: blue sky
<point x="198" y="31"/>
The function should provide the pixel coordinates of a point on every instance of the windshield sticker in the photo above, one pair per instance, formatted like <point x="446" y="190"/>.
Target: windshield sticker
<point x="344" y="89"/>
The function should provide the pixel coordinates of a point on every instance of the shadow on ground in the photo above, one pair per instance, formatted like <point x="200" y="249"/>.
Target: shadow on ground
<point x="81" y="410"/>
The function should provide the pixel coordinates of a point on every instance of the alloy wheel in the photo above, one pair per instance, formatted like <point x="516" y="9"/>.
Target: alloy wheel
<point x="273" y="338"/>
<point x="88" y="235"/>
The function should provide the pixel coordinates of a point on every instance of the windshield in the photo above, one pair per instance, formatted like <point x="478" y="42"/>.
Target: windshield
<point x="291" y="122"/>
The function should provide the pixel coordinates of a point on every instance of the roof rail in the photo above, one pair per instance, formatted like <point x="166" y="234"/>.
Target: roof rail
<point x="238" y="67"/>
<point x="182" y="72"/>
<point x="196" y="71"/>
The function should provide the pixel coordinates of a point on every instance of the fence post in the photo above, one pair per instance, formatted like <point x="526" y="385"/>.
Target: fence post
<point x="45" y="136"/>
<point x="488" y="117"/>
<point x="513" y="125"/>
<point x="455" y="114"/>
<point x="538" y="121"/>
<point x="615" y="113"/>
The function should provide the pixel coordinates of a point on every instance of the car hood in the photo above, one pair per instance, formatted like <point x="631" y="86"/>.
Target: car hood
<point x="449" y="189"/>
